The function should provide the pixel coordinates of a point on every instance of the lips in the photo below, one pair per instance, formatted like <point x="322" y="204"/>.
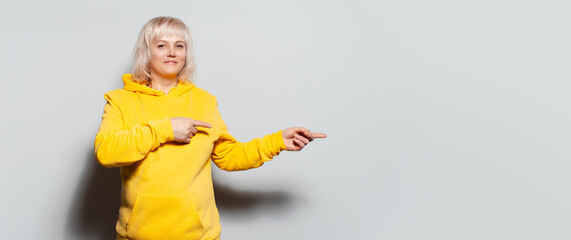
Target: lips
<point x="170" y="62"/>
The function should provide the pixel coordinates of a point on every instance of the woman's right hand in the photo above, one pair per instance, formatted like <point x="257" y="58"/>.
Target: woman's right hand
<point x="184" y="128"/>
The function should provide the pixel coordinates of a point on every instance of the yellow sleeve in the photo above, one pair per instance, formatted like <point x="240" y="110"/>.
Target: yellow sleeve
<point x="116" y="146"/>
<point x="231" y="155"/>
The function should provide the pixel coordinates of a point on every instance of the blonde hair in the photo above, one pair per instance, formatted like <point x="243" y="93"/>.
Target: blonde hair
<point x="153" y="30"/>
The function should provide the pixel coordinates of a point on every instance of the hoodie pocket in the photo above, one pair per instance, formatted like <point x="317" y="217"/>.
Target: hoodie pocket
<point x="164" y="217"/>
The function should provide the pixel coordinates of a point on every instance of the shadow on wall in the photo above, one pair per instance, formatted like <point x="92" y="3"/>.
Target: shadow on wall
<point x="94" y="211"/>
<point x="245" y="205"/>
<point x="96" y="203"/>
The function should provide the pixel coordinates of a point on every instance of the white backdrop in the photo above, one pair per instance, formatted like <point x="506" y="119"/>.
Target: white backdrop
<point x="446" y="119"/>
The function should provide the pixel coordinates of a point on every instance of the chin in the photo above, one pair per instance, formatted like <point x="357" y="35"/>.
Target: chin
<point x="171" y="73"/>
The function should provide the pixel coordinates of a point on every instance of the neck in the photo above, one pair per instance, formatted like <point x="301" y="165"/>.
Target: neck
<point x="163" y="84"/>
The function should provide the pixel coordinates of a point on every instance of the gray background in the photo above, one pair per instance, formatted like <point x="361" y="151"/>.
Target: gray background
<point x="446" y="119"/>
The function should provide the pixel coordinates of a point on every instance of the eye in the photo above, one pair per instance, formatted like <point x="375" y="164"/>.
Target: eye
<point x="180" y="46"/>
<point x="160" y="45"/>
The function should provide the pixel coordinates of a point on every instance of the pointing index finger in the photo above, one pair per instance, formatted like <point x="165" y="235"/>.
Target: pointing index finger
<point x="198" y="123"/>
<point x="319" y="135"/>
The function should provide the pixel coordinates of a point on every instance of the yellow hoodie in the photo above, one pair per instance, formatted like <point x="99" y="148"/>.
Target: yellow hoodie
<point x="167" y="186"/>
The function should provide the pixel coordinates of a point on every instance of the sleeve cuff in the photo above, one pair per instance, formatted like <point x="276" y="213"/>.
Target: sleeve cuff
<point x="279" y="139"/>
<point x="164" y="129"/>
<point x="271" y="145"/>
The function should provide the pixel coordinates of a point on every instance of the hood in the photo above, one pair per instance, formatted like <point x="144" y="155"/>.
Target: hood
<point x="130" y="85"/>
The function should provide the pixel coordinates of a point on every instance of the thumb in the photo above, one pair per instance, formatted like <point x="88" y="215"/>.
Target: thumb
<point x="298" y="129"/>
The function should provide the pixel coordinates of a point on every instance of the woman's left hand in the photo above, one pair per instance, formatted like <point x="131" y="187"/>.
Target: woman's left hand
<point x="295" y="138"/>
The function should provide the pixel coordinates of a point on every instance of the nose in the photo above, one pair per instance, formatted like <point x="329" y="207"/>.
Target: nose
<point x="171" y="52"/>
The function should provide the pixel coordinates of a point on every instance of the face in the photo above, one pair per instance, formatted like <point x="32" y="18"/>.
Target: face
<point x="168" y="56"/>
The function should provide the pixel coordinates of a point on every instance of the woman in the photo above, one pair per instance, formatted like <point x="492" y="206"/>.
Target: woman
<point x="162" y="131"/>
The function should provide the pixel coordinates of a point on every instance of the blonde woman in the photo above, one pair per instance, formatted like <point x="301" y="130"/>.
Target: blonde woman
<point x="163" y="131"/>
